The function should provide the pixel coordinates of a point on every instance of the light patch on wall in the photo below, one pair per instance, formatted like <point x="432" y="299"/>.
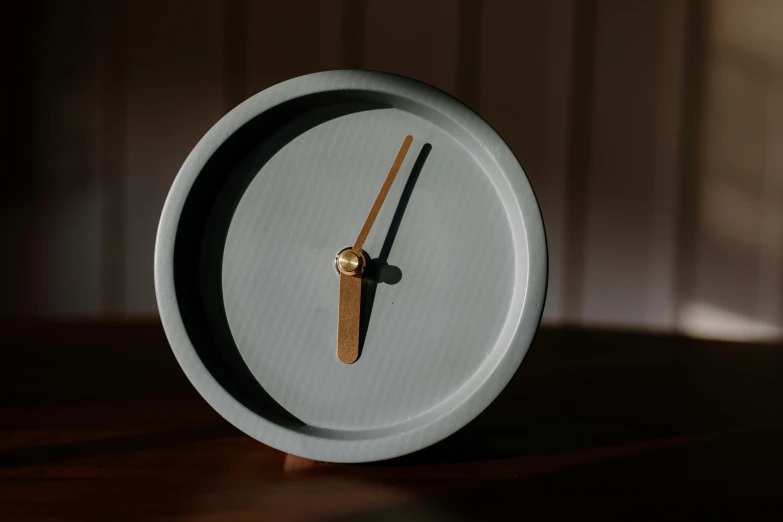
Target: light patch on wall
<point x="703" y="320"/>
<point x="731" y="214"/>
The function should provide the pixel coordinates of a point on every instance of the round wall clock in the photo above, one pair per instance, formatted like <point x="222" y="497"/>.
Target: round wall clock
<point x="350" y="266"/>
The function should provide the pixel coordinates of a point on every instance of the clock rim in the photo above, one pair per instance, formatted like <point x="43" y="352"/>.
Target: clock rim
<point x="350" y="449"/>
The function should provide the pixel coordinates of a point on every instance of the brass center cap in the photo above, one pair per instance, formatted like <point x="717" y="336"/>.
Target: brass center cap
<point x="349" y="263"/>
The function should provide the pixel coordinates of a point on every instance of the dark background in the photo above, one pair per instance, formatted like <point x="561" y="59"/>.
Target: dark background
<point x="651" y="131"/>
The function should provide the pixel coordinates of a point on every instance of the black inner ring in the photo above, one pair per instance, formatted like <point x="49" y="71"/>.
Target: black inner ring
<point x="204" y="224"/>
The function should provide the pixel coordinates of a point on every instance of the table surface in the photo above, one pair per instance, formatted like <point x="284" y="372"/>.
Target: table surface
<point x="98" y="422"/>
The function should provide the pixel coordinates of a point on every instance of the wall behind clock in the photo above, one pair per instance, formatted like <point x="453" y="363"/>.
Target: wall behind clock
<point x="650" y="131"/>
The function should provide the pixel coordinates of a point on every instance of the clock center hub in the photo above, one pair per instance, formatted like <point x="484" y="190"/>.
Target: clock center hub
<point x="350" y="263"/>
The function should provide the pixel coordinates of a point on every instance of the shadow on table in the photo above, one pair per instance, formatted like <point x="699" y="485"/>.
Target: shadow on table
<point x="581" y="389"/>
<point x="628" y="425"/>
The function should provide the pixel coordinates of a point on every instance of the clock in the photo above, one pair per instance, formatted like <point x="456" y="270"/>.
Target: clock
<point x="350" y="266"/>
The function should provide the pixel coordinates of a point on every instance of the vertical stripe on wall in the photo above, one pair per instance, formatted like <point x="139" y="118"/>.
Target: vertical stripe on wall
<point x="354" y="27"/>
<point x="234" y="53"/>
<point x="581" y="104"/>
<point x="469" y="52"/>
<point x="693" y="107"/>
<point x="112" y="43"/>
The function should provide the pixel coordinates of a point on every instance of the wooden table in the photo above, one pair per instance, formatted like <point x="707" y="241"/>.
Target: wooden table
<point x="98" y="422"/>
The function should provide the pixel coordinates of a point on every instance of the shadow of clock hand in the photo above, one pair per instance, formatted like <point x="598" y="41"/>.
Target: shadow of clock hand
<point x="379" y="270"/>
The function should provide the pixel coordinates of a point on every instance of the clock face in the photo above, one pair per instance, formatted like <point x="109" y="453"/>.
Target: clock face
<point x="439" y="303"/>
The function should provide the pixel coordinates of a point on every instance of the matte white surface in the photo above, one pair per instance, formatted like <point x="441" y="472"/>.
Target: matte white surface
<point x="429" y="332"/>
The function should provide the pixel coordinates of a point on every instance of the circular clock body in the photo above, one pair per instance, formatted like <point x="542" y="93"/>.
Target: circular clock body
<point x="451" y="288"/>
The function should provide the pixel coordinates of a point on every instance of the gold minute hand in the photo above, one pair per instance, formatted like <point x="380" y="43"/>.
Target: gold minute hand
<point x="406" y="144"/>
<point x="351" y="263"/>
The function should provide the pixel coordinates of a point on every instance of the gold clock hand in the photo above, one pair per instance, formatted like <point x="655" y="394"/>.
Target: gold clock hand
<point x="349" y="314"/>
<point x="406" y="144"/>
<point x="351" y="263"/>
